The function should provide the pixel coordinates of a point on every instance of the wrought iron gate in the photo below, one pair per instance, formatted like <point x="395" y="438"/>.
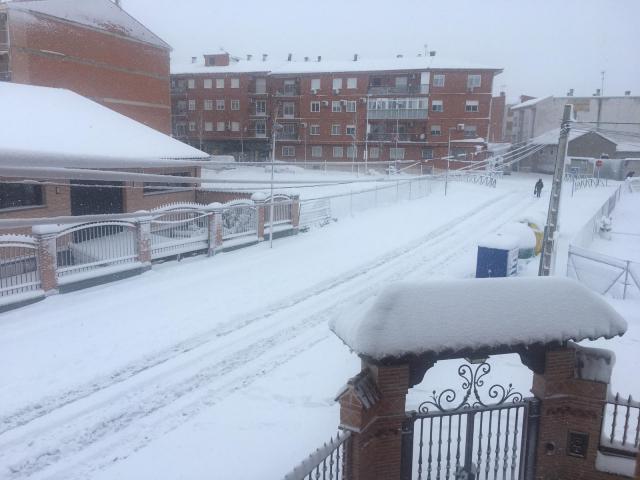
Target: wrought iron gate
<point x="470" y="438"/>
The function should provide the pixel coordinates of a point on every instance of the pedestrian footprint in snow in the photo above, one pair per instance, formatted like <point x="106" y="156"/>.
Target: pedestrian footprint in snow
<point x="537" y="190"/>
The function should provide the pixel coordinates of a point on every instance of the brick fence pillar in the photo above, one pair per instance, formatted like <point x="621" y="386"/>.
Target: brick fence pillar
<point x="215" y="227"/>
<point x="260" y="199"/>
<point x="572" y="395"/>
<point x="143" y="236"/>
<point x="372" y="407"/>
<point x="47" y="260"/>
<point x="295" y="212"/>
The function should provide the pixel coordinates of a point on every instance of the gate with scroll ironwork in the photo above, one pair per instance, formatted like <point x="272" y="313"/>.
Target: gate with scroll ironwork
<point x="478" y="433"/>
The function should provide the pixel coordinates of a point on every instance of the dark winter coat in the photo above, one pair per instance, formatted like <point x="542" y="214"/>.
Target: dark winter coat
<point x="538" y="187"/>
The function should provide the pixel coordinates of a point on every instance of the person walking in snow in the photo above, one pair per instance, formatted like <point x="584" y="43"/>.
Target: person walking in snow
<point x="537" y="190"/>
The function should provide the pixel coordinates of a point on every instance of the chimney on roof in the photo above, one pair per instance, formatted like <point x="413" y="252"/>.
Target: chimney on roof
<point x="289" y="57"/>
<point x="249" y="57"/>
<point x="306" y="59"/>
<point x="627" y="93"/>
<point x="319" y="58"/>
<point x="597" y="94"/>
<point x="264" y="57"/>
<point x="399" y="55"/>
<point x="355" y="57"/>
<point x="570" y="92"/>
<point x="432" y="53"/>
<point x="194" y="59"/>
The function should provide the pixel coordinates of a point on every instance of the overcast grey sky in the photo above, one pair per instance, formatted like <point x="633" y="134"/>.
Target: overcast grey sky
<point x="544" y="46"/>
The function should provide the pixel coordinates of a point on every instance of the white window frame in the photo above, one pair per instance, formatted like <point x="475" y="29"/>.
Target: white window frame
<point x="219" y="82"/>
<point x="439" y="80"/>
<point x="208" y="126"/>
<point x="352" y="128"/>
<point x="427" y="157"/>
<point x="235" y="104"/>
<point x="336" y="106"/>
<point x="468" y="133"/>
<point x="235" y="82"/>
<point x="474" y="80"/>
<point x="262" y="131"/>
<point x="208" y="104"/>
<point x="333" y="129"/>
<point x="351" y="151"/>
<point x="393" y="153"/>
<point x="288" y="109"/>
<point x="315" y="107"/>
<point x="235" y="126"/>
<point x="336" y="84"/>
<point x="351" y="106"/>
<point x="374" y="152"/>
<point x="431" y="130"/>
<point x="352" y="83"/>
<point x="263" y="107"/>
<point x="192" y="105"/>
<point x="470" y="104"/>
<point x="208" y="83"/>
<point x="192" y="126"/>
<point x="316" y="151"/>
<point x="437" y="106"/>
<point x="220" y="126"/>
<point x="220" y="105"/>
<point x="316" y="83"/>
<point x="339" y="150"/>
<point x="191" y="83"/>
<point x="288" y="151"/>
<point x="314" y="130"/>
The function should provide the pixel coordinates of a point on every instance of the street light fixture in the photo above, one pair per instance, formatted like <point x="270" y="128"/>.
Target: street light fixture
<point x="459" y="127"/>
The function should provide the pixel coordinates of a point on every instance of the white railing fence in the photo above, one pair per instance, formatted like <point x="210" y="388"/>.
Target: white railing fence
<point x="18" y="265"/>
<point x="239" y="219"/>
<point x="177" y="229"/>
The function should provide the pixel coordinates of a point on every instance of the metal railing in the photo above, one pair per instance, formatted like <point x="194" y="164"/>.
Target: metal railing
<point x="484" y="179"/>
<point x="588" y="232"/>
<point x="605" y="274"/>
<point x="620" y="433"/>
<point x="391" y="137"/>
<point x="179" y="232"/>
<point x="328" y="462"/>
<point x="239" y="219"/>
<point x="93" y="246"/>
<point x="398" y="113"/>
<point x="281" y="210"/>
<point x="18" y="265"/>
<point x="398" y="90"/>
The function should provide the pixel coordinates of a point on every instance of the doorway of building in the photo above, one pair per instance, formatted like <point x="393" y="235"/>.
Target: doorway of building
<point x="93" y="197"/>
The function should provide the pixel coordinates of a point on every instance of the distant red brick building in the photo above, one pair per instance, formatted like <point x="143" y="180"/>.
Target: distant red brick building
<point x="225" y="105"/>
<point x="92" y="47"/>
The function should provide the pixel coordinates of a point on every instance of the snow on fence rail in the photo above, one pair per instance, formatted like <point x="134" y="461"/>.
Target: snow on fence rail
<point x="239" y="219"/>
<point x="179" y="228"/>
<point x="621" y="427"/>
<point x="18" y="265"/>
<point x="327" y="462"/>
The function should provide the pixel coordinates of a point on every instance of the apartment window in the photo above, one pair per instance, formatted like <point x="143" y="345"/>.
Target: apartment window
<point x="436" y="130"/>
<point x="192" y="126"/>
<point x="235" y="126"/>
<point x="314" y="130"/>
<point x="374" y="152"/>
<point x="351" y="106"/>
<point x="473" y="81"/>
<point x="351" y="129"/>
<point x="338" y="152"/>
<point x="288" y="151"/>
<point x="261" y="107"/>
<point x="17" y="195"/>
<point x="335" y="129"/>
<point x="315" y="84"/>
<point x="208" y="126"/>
<point x="220" y="105"/>
<point x="235" y="104"/>
<point x="261" y="128"/>
<point x="219" y="82"/>
<point x="191" y="83"/>
<point x="261" y="85"/>
<point x="316" y="151"/>
<point x="208" y="83"/>
<point x="471" y="106"/>
<point x="182" y="105"/>
<point x="396" y="153"/>
<point x="337" y="83"/>
<point x="220" y="126"/>
<point x="352" y="83"/>
<point x="192" y="104"/>
<point x="438" y="80"/>
<point x="315" y="107"/>
<point x="235" y="83"/>
<point x="289" y="131"/>
<point x="288" y="109"/>
<point x="290" y="87"/>
<point x="336" y="106"/>
<point x="427" y="153"/>
<point x="208" y="104"/>
<point x="458" y="152"/>
<point x="470" y="131"/>
<point x="436" y="106"/>
<point x="351" y="152"/>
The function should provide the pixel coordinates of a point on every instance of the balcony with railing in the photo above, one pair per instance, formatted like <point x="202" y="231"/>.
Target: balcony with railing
<point x="399" y="114"/>
<point x="288" y="91"/>
<point x="399" y="137"/>
<point x="398" y="90"/>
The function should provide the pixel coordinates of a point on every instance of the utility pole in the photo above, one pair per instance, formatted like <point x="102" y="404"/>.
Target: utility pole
<point x="602" y="83"/>
<point x="273" y="161"/>
<point x="547" y="258"/>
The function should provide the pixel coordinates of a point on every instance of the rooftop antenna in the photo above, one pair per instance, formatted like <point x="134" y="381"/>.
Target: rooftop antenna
<point x="602" y="83"/>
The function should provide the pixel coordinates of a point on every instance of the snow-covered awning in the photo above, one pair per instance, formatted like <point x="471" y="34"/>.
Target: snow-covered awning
<point x="59" y="128"/>
<point x="461" y="318"/>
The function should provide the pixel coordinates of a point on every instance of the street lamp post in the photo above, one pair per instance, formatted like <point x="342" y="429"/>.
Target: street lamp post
<point x="458" y="127"/>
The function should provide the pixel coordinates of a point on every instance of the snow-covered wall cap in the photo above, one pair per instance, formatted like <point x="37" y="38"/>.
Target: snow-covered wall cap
<point x="500" y="241"/>
<point x="475" y="315"/>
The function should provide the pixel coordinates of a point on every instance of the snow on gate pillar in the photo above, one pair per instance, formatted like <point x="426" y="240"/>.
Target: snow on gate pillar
<point x="46" y="258"/>
<point x="143" y="236"/>
<point x="259" y="199"/>
<point x="372" y="407"/>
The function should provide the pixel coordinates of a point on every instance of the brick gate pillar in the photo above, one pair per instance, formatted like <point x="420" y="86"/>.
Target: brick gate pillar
<point x="295" y="213"/>
<point x="572" y="391"/>
<point x="372" y="407"/>
<point x="215" y="227"/>
<point x="46" y="258"/>
<point x="143" y="234"/>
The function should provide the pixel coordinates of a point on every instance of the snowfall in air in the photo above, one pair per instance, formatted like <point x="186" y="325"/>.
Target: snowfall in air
<point x="225" y="367"/>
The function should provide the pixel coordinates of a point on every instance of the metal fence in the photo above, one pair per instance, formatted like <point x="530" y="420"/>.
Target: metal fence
<point x="604" y="274"/>
<point x="179" y="229"/>
<point x="239" y="219"/>
<point x="621" y="427"/>
<point x="92" y="246"/>
<point x="18" y="265"/>
<point x="587" y="233"/>
<point x="281" y="210"/>
<point x="327" y="462"/>
<point x="484" y="179"/>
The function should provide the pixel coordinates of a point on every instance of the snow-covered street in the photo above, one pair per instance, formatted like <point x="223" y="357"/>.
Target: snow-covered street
<point x="211" y="362"/>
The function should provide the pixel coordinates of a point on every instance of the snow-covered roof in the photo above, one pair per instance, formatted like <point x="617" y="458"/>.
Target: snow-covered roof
<point x="42" y="122"/>
<point x="276" y="67"/>
<point x="100" y="14"/>
<point x="551" y="137"/>
<point x="446" y="317"/>
<point x="530" y="103"/>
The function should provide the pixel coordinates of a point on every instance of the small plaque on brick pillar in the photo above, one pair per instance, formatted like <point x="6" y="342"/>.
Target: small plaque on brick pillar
<point x="578" y="443"/>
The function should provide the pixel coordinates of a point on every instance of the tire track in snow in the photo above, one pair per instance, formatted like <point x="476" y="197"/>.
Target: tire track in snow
<point x="88" y="435"/>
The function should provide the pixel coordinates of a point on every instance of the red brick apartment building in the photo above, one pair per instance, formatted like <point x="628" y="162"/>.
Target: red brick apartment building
<point x="91" y="47"/>
<point x="225" y="105"/>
